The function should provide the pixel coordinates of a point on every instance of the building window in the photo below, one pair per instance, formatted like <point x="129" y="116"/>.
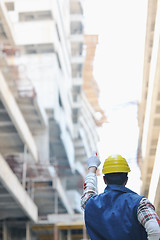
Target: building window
<point x="152" y="151"/>
<point x="77" y="89"/>
<point x="75" y="111"/>
<point x="39" y="48"/>
<point x="10" y="6"/>
<point x="75" y="97"/>
<point x="154" y="142"/>
<point x="149" y="58"/>
<point x="35" y="16"/>
<point x="76" y="49"/>
<point x="158" y="97"/>
<point x="75" y="8"/>
<point x="156" y="122"/>
<point x="74" y="119"/>
<point x="149" y="171"/>
<point x="76" y="28"/>
<point x="158" y="109"/>
<point x="77" y="70"/>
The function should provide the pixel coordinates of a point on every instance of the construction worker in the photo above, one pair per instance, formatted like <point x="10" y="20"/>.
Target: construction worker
<point x="118" y="213"/>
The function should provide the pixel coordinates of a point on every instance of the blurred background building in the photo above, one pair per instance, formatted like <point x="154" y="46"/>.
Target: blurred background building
<point x="49" y="113"/>
<point x="149" y="110"/>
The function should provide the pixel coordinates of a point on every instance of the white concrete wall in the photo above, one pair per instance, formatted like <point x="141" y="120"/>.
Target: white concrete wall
<point x="42" y="70"/>
<point x="75" y="199"/>
<point x="42" y="142"/>
<point x="49" y="83"/>
<point x="37" y="32"/>
<point x="45" y="31"/>
<point x="61" y="13"/>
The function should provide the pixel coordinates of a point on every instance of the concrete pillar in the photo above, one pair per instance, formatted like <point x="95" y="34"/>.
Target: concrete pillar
<point x="24" y="167"/>
<point x="60" y="235"/>
<point x="84" y="233"/>
<point x="4" y="231"/>
<point x="42" y="140"/>
<point x="32" y="190"/>
<point x="55" y="237"/>
<point x="56" y="203"/>
<point x="69" y="236"/>
<point x="28" y="233"/>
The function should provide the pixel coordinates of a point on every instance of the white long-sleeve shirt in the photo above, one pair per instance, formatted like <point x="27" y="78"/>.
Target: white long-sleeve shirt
<point x="146" y="214"/>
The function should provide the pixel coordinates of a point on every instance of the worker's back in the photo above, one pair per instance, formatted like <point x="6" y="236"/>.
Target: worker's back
<point x="112" y="215"/>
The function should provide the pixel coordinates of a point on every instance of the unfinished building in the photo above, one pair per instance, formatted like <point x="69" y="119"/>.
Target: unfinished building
<point x="47" y="123"/>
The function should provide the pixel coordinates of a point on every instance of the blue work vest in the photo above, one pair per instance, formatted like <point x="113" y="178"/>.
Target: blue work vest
<point x="112" y="215"/>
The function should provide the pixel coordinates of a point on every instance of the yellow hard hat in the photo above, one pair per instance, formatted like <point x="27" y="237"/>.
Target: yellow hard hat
<point x="115" y="163"/>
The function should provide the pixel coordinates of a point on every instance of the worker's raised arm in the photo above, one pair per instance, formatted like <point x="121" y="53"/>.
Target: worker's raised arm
<point x="90" y="183"/>
<point x="149" y="219"/>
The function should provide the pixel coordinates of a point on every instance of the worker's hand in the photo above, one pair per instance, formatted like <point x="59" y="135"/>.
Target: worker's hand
<point x="93" y="161"/>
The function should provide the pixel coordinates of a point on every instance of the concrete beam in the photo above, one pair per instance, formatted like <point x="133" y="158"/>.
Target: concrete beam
<point x="17" y="117"/>
<point x="154" y="190"/>
<point x="11" y="183"/>
<point x="62" y="194"/>
<point x="12" y="150"/>
<point x="64" y="218"/>
<point x="153" y="89"/>
<point x="41" y="113"/>
<point x="6" y="24"/>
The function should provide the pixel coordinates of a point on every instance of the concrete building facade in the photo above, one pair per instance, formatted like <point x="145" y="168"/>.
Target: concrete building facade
<point x="45" y="119"/>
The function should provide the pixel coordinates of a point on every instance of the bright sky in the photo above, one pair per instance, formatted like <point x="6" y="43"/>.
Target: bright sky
<point x="118" y="70"/>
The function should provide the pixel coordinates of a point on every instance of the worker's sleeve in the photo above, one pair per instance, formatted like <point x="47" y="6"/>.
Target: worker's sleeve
<point x="149" y="219"/>
<point x="89" y="188"/>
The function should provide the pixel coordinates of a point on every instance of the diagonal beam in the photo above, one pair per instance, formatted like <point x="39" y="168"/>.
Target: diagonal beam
<point x="17" y="117"/>
<point x="62" y="194"/>
<point x="6" y="24"/>
<point x="154" y="190"/>
<point x="15" y="189"/>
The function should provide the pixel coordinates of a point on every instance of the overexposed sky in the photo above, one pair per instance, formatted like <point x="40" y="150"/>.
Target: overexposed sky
<point x="118" y="70"/>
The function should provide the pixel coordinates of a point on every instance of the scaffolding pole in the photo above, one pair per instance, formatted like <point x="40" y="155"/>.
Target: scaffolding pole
<point x="28" y="233"/>
<point x="4" y="231"/>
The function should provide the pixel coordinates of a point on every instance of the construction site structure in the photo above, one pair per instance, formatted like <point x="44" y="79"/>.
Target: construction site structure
<point x="47" y="122"/>
<point x="90" y="87"/>
<point x="149" y="110"/>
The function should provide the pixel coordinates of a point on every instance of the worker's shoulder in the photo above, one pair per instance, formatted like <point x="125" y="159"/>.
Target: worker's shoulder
<point x="95" y="197"/>
<point x="133" y="194"/>
<point x="133" y="198"/>
<point x="145" y="202"/>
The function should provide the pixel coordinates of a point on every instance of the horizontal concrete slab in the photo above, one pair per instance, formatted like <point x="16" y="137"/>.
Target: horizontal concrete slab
<point x="11" y="183"/>
<point x="65" y="218"/>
